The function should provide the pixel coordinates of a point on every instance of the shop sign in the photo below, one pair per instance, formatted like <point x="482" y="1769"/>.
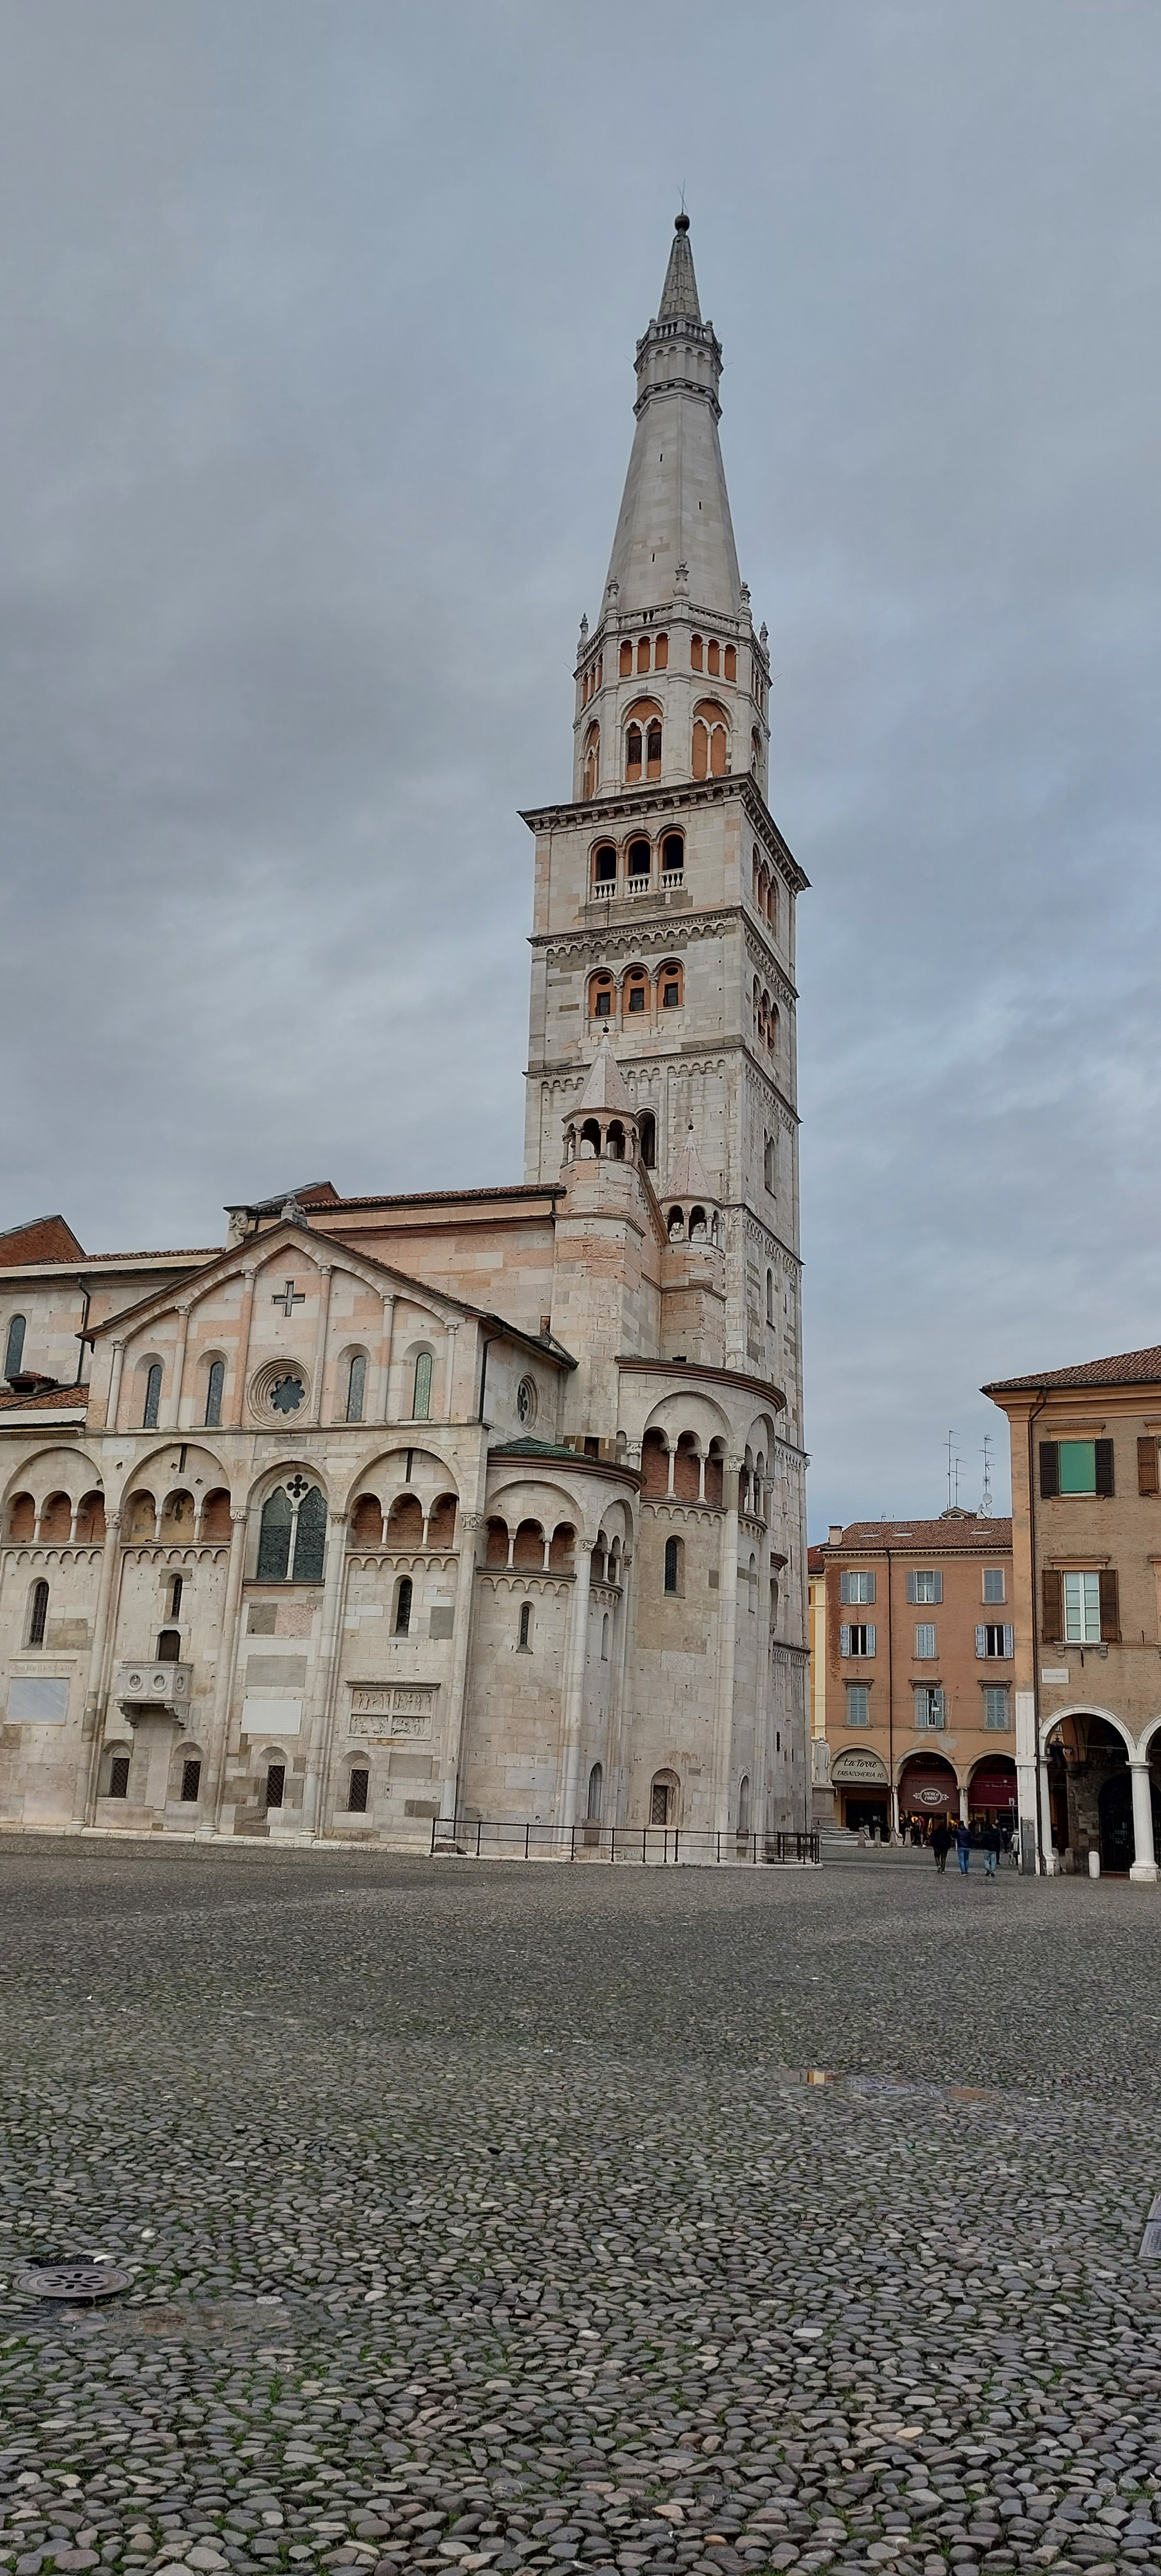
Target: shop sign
<point x="994" y="1789"/>
<point x="849" y="1767"/>
<point x="929" y="1797"/>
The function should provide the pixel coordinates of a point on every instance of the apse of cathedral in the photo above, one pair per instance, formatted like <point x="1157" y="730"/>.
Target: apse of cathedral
<point x="401" y="1518"/>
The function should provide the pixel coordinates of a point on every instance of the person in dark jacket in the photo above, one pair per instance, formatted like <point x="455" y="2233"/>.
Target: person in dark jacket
<point x="990" y="1847"/>
<point x="963" y="1845"/>
<point x="941" y="1845"/>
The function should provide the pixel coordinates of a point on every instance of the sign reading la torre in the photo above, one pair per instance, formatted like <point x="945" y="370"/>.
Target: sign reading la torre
<point x="483" y="1503"/>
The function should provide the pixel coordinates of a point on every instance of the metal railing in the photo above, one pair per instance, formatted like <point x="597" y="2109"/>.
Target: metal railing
<point x="658" y="1846"/>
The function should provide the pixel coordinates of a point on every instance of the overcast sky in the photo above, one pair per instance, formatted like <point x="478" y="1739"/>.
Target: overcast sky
<point x="318" y="326"/>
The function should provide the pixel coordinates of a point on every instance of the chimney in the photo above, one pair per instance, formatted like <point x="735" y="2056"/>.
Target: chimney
<point x="834" y="1534"/>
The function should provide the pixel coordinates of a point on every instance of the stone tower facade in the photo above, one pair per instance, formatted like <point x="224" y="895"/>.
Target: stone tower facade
<point x="665" y="893"/>
<point x="475" y="1517"/>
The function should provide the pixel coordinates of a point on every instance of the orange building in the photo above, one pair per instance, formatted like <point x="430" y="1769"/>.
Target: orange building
<point x="919" y="1666"/>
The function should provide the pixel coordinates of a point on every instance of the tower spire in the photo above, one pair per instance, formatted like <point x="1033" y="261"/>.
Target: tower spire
<point x="674" y="533"/>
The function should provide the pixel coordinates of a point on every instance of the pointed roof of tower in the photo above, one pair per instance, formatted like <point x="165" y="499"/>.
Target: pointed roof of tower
<point x="679" y="293"/>
<point x="690" y="1179"/>
<point x="674" y="533"/>
<point x="604" y="1089"/>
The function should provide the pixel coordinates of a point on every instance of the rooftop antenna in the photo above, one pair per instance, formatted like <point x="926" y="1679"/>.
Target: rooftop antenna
<point x="950" y="1465"/>
<point x="986" y="1495"/>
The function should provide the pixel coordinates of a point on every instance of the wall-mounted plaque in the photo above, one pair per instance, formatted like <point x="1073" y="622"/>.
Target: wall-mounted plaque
<point x="403" y="1710"/>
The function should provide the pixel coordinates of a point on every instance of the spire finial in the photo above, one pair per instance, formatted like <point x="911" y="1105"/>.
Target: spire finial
<point x="681" y="222"/>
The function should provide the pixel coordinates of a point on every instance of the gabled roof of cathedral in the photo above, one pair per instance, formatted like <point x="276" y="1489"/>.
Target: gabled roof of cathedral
<point x="40" y="1238"/>
<point x="605" y="1088"/>
<point x="690" y="1178"/>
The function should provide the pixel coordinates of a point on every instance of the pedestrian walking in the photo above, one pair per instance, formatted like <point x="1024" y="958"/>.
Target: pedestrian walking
<point x="963" y="1845"/>
<point x="990" y="1846"/>
<point x="941" y="1844"/>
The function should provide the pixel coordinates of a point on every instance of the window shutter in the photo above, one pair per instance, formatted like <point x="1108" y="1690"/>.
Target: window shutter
<point x="1110" y="1603"/>
<point x="1051" y="1603"/>
<point x="1104" y="1466"/>
<point x="937" y="1708"/>
<point x="1049" y="1470"/>
<point x="938" y="1585"/>
<point x="913" y="1585"/>
<point x="1009" y="1641"/>
<point x="981" y="1642"/>
<point x="1147" y="1477"/>
<point x="871" y="1633"/>
<point x="844" y="1641"/>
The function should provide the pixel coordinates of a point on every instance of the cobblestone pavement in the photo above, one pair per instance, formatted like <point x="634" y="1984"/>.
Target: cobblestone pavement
<point x="476" y="2216"/>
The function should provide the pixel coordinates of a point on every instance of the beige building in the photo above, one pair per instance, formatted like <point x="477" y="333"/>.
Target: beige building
<point x="1086" y="1519"/>
<point x="482" y="1506"/>
<point x="918" y="1667"/>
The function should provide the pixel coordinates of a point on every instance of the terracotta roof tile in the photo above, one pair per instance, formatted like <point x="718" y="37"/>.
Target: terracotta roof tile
<point x="907" y="1537"/>
<point x="52" y="1399"/>
<point x="1128" y="1368"/>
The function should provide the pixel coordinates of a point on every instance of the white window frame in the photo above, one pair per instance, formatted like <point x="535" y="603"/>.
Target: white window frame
<point x="1082" y="1608"/>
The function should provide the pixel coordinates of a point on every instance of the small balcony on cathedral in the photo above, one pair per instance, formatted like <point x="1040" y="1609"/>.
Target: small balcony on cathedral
<point x="159" y="1687"/>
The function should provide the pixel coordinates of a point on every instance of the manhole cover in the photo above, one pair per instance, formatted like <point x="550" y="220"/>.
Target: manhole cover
<point x="74" y="2281"/>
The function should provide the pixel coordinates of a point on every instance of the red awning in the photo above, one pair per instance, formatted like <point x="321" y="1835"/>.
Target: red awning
<point x="993" y="1789"/>
<point x="928" y="1793"/>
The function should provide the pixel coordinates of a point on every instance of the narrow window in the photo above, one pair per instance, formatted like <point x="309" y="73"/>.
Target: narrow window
<point x="672" y="1563"/>
<point x="672" y="855"/>
<point x="712" y="659"/>
<point x="592" y="767"/>
<point x="119" y="1776"/>
<point x="356" y="1387"/>
<point x="626" y="661"/>
<point x="661" y="1802"/>
<point x="274" y="1537"/>
<point x="604" y="866"/>
<point x="647" y="1131"/>
<point x="403" y="1600"/>
<point x="637" y="994"/>
<point x="421" y="1405"/>
<point x="310" y="1537"/>
<point x="152" y="1397"/>
<point x="718" y="763"/>
<point x="925" y="1642"/>
<point x="593" y="1802"/>
<point x="275" y="1783"/>
<point x="695" y="653"/>
<point x="603" y="1002"/>
<point x="769" y="1164"/>
<point x="633" y="752"/>
<point x="176" y="1589"/>
<point x="670" y="989"/>
<point x="14" y="1347"/>
<point x="524" y="1640"/>
<point x="743" y="1807"/>
<point x="653" y="751"/>
<point x="993" y="1583"/>
<point x="996" y="1708"/>
<point x="169" y="1646"/>
<point x="769" y="1296"/>
<point x="215" y="1383"/>
<point x="858" y="1704"/>
<point x="191" y="1781"/>
<point x="661" y="653"/>
<point x="643" y="654"/>
<point x="605" y="1638"/>
<point x="730" y="667"/>
<point x="640" y="859"/>
<point x="357" y="1788"/>
<point x="37" y="1614"/>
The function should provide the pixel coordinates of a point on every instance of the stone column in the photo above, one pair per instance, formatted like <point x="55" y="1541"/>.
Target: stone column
<point x="575" y="1686"/>
<point x="727" y="1650"/>
<point x="449" y="1372"/>
<point x="382" y="1412"/>
<point x="319" y="1732"/>
<point x="1046" y="1851"/>
<point x="90" y="1731"/>
<point x="114" y="1394"/>
<point x="472" y="1527"/>
<point x="964" y="1812"/>
<point x="320" y="1341"/>
<point x="1145" y="1859"/>
<point x="178" y="1367"/>
<point x="245" y="1319"/>
<point x="228" y="1651"/>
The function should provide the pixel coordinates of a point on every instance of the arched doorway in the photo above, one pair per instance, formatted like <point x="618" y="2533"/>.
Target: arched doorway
<point x="928" y="1793"/>
<point x="992" y="1794"/>
<point x="1118" y="1842"/>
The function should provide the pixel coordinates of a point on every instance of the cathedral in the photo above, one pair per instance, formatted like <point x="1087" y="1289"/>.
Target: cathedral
<point x="442" y="1517"/>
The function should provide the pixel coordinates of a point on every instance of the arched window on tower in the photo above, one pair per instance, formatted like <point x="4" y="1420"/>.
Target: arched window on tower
<point x="421" y="1393"/>
<point x="356" y="1386"/>
<point x="647" y="1131"/>
<point x="643" y="654"/>
<point x="710" y="756"/>
<point x="672" y="859"/>
<point x="661" y="653"/>
<point x="601" y="997"/>
<point x="152" y="1405"/>
<point x="696" y="660"/>
<point x="653" y="750"/>
<point x="770" y="1164"/>
<point x="635" y="991"/>
<point x="633" y="752"/>
<point x="769" y="1296"/>
<point x="14" y="1346"/>
<point x="592" y="764"/>
<point x="730" y="670"/>
<point x="626" y="660"/>
<point x="713" y="658"/>
<point x="639" y="859"/>
<point x="604" y="872"/>
<point x="215" y="1383"/>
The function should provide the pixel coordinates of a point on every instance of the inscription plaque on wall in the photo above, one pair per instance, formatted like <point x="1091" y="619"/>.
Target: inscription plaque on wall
<point x="403" y="1710"/>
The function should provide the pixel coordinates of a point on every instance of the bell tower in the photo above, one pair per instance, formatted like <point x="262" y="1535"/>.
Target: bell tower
<point x="664" y="919"/>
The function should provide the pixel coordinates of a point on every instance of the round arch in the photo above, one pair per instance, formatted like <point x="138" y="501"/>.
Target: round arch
<point x="1088" y="1708"/>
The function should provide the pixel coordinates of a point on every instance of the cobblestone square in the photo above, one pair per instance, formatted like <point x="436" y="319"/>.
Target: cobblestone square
<point x="482" y="2216"/>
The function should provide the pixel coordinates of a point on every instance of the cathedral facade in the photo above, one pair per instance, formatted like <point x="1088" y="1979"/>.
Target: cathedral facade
<point x="485" y="1507"/>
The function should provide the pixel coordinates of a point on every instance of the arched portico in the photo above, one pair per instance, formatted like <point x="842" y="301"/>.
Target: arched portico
<point x="1097" y="1792"/>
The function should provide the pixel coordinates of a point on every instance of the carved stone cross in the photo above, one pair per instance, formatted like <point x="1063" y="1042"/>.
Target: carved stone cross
<point x="288" y="1298"/>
